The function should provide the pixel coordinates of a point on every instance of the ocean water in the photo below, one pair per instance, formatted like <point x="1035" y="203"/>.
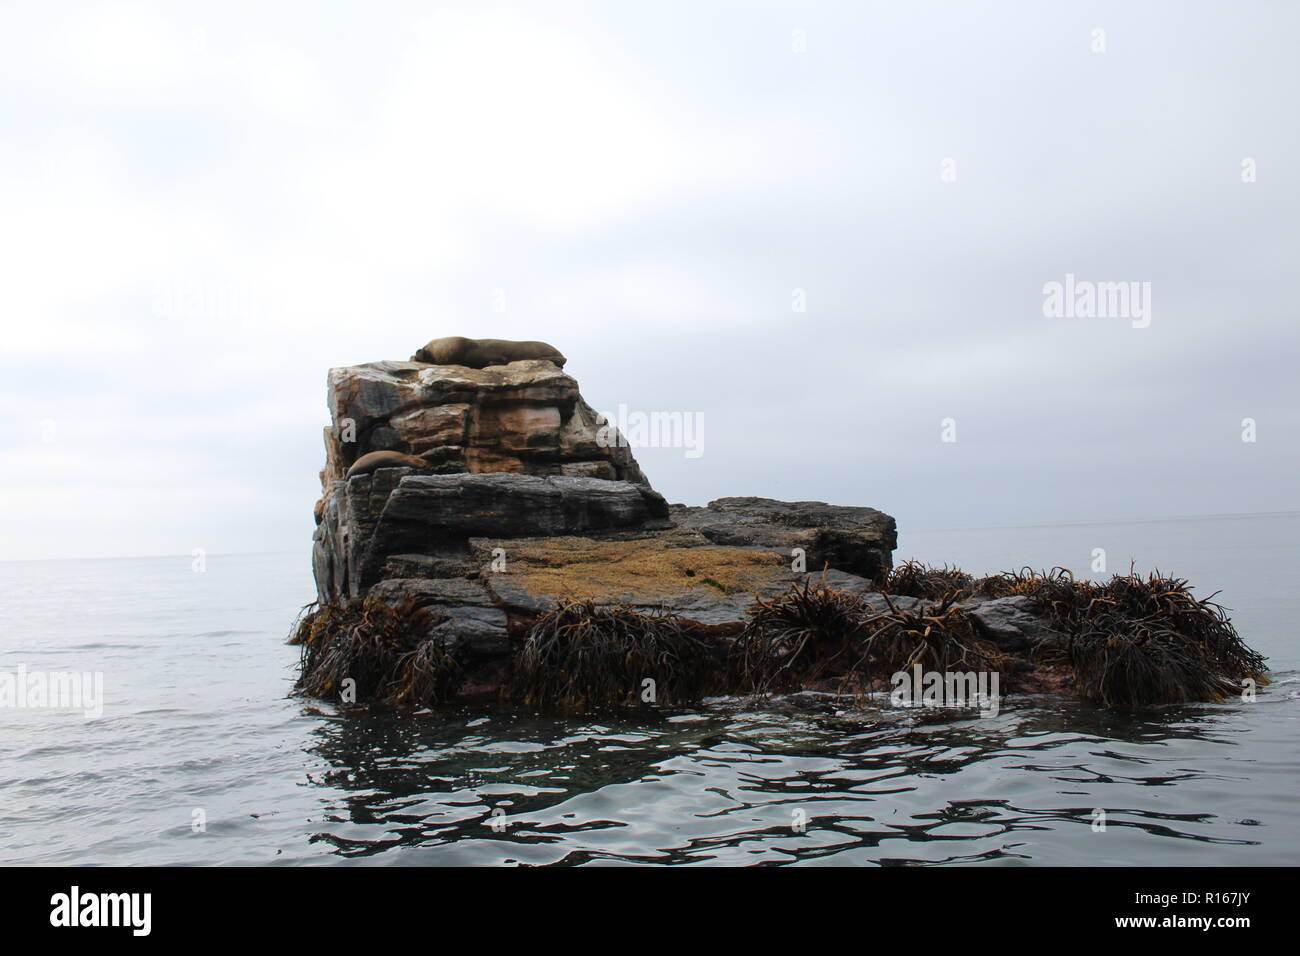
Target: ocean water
<point x="201" y="756"/>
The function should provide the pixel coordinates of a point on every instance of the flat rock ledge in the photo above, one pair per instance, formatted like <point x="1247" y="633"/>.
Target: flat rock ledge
<point x="528" y="502"/>
<point x="483" y="551"/>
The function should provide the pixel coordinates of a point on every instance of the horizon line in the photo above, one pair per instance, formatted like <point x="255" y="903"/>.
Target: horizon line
<point x="985" y="527"/>
<point x="1077" y="523"/>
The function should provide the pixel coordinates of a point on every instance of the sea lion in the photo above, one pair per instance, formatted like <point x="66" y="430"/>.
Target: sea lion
<point x="372" y="461"/>
<point x="480" y="353"/>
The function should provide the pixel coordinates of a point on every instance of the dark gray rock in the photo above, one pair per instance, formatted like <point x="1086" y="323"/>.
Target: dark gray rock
<point x="465" y="617"/>
<point x="343" y="539"/>
<point x="511" y="505"/>
<point x="860" y="541"/>
<point x="1012" y="623"/>
<point x="469" y="639"/>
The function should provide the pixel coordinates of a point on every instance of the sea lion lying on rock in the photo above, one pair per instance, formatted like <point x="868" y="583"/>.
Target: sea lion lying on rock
<point x="480" y="353"/>
<point x="384" y="459"/>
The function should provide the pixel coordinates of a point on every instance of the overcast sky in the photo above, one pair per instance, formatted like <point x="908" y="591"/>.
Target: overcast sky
<point x="203" y="207"/>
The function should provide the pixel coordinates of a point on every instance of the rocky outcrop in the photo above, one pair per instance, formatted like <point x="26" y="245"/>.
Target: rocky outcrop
<point x="482" y="528"/>
<point x="496" y="533"/>
<point x="514" y="495"/>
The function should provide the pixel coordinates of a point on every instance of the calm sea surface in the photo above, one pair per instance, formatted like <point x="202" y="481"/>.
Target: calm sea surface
<point x="198" y="724"/>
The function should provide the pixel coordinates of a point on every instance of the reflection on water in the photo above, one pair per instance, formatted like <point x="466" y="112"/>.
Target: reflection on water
<point x="734" y="784"/>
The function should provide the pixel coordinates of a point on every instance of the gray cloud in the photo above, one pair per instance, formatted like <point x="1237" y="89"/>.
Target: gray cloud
<point x="205" y="213"/>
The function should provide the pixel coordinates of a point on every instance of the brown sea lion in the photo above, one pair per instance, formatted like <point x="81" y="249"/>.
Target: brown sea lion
<point x="375" y="460"/>
<point x="480" y="353"/>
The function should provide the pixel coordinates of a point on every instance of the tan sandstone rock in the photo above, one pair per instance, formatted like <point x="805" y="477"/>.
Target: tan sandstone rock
<point x="526" y="417"/>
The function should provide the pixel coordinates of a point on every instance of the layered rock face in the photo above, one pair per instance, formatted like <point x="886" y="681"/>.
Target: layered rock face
<point x="526" y="417"/>
<point x="368" y="519"/>
<point x="526" y="498"/>
<point x="508" y="450"/>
